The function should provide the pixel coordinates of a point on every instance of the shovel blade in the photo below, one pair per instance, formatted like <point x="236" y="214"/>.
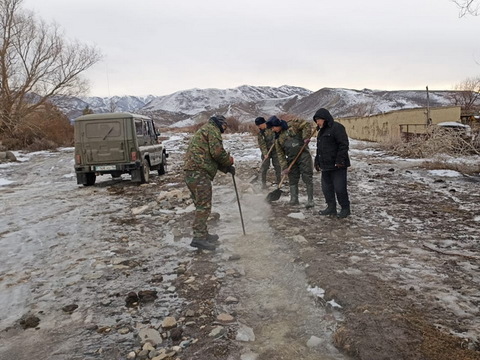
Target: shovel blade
<point x="274" y="195"/>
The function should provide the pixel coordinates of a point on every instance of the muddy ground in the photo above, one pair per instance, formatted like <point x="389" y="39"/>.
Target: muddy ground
<point x="106" y="272"/>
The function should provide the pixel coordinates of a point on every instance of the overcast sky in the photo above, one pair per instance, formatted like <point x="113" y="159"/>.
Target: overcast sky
<point x="162" y="46"/>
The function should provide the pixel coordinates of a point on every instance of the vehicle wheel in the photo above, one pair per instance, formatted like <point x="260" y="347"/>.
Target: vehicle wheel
<point x="116" y="175"/>
<point x="145" y="171"/>
<point x="90" y="177"/>
<point x="163" y="166"/>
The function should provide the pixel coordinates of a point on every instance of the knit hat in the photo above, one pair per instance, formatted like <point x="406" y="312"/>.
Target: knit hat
<point x="274" y="121"/>
<point x="220" y="121"/>
<point x="259" y="121"/>
<point x="323" y="114"/>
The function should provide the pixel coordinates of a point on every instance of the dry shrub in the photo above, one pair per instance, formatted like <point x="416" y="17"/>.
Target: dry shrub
<point x="249" y="127"/>
<point x="233" y="125"/>
<point x="45" y="129"/>
<point x="435" y="141"/>
<point x="459" y="166"/>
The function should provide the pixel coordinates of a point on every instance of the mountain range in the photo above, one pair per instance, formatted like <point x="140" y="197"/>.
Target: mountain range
<point x="246" y="102"/>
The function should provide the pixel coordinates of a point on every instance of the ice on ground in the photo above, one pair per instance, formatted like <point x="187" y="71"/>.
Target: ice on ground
<point x="316" y="291"/>
<point x="5" y="182"/>
<point x="445" y="173"/>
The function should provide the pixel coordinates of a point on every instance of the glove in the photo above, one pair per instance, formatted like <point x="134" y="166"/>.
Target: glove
<point x="231" y="170"/>
<point x="285" y="172"/>
<point x="306" y="141"/>
<point x="339" y="165"/>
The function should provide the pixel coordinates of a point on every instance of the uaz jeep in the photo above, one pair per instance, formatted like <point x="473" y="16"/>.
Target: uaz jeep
<point x="117" y="143"/>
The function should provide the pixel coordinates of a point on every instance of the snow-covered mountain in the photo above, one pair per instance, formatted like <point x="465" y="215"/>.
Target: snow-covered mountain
<point x="247" y="102"/>
<point x="348" y="102"/>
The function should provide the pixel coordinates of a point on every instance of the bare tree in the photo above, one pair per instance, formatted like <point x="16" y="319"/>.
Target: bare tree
<point x="467" y="94"/>
<point x="471" y="7"/>
<point x="36" y="63"/>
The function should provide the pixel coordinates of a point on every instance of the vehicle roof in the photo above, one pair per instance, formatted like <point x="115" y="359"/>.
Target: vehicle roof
<point x="453" y="124"/>
<point x="109" y="116"/>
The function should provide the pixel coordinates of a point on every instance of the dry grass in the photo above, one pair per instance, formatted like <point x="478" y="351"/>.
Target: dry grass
<point x="45" y="129"/>
<point x="461" y="167"/>
<point x="435" y="141"/>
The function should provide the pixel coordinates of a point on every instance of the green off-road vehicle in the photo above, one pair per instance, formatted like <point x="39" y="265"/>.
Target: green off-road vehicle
<point x="116" y="144"/>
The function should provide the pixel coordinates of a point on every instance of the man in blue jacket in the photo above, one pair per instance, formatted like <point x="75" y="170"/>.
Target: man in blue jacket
<point x="333" y="160"/>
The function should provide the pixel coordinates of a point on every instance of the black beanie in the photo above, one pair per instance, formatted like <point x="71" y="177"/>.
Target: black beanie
<point x="259" y="121"/>
<point x="323" y="114"/>
<point x="274" y="121"/>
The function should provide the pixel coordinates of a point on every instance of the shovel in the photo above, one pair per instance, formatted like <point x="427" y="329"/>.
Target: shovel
<point x="238" y="201"/>
<point x="255" y="177"/>
<point x="277" y="193"/>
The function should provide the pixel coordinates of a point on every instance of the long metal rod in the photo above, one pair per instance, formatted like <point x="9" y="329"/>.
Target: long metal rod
<point x="238" y="201"/>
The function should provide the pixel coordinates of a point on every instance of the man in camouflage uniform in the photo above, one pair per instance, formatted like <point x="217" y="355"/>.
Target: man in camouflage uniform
<point x="204" y="156"/>
<point x="266" y="139"/>
<point x="291" y="137"/>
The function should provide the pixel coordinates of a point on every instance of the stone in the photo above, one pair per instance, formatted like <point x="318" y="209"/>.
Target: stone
<point x="217" y="331"/>
<point x="29" y="321"/>
<point x="245" y="333"/>
<point x="146" y="296"/>
<point x="169" y="322"/>
<point x="176" y="334"/>
<point x="225" y="318"/>
<point x="314" y="342"/>
<point x="131" y="355"/>
<point x="299" y="216"/>
<point x="123" y="331"/>
<point x="231" y="300"/>
<point x="139" y="210"/>
<point x="70" y="308"/>
<point x="189" y="313"/>
<point x="150" y="335"/>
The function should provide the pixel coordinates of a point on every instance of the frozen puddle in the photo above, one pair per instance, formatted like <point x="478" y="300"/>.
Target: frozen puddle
<point x="273" y="296"/>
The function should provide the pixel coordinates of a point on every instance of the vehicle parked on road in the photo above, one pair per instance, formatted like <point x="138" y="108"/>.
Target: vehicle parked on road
<point x="116" y="144"/>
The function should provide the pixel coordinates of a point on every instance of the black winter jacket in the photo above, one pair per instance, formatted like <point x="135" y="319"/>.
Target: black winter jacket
<point x="332" y="146"/>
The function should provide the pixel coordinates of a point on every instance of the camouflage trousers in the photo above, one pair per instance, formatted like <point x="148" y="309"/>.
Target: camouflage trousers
<point x="303" y="167"/>
<point x="273" y="159"/>
<point x="200" y="187"/>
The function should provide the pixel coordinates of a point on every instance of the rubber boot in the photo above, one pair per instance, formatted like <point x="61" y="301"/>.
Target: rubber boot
<point x="202" y="244"/>
<point x="213" y="239"/>
<point x="344" y="212"/>
<point x="310" y="202"/>
<point x="294" y="195"/>
<point x="330" y="210"/>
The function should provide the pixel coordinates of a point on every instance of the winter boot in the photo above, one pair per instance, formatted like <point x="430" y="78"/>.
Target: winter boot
<point x="294" y="195"/>
<point x="330" y="210"/>
<point x="344" y="212"/>
<point x="202" y="244"/>
<point x="310" y="202"/>
<point x="212" y="239"/>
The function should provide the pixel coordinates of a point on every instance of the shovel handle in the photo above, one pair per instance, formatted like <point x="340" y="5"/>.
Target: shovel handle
<point x="294" y="160"/>
<point x="268" y="153"/>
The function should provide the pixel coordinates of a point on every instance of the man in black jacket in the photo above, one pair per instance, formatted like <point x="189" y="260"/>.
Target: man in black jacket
<point x="332" y="159"/>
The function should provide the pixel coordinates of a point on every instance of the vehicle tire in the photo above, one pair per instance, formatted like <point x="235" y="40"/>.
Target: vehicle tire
<point x="90" y="179"/>
<point x="163" y="166"/>
<point x="145" y="171"/>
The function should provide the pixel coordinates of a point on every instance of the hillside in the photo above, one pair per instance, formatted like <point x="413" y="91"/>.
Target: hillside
<point x="245" y="102"/>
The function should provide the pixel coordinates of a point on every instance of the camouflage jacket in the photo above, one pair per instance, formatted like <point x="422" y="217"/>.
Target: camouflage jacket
<point x="290" y="141"/>
<point x="205" y="151"/>
<point x="265" y="141"/>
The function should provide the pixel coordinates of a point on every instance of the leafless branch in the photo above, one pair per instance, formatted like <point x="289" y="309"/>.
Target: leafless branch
<point x="36" y="63"/>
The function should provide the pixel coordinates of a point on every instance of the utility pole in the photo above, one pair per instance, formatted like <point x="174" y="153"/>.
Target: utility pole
<point x="429" y="120"/>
